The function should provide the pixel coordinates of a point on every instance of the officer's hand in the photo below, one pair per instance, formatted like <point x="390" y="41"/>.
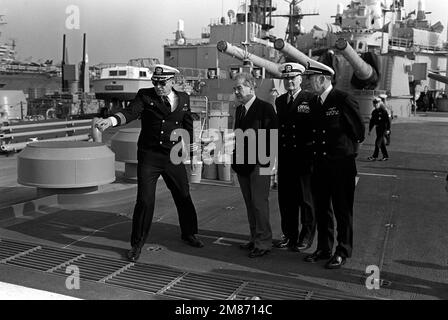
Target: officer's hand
<point x="388" y="132"/>
<point x="103" y="124"/>
<point x="194" y="147"/>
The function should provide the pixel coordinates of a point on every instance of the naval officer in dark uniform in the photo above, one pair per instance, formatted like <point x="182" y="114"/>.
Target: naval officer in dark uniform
<point x="337" y="130"/>
<point x="295" y="161"/>
<point x="162" y="110"/>
<point x="381" y="121"/>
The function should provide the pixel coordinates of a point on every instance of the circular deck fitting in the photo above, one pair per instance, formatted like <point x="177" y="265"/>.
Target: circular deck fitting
<point x="65" y="164"/>
<point x="124" y="144"/>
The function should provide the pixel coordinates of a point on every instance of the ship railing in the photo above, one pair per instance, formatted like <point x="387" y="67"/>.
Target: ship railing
<point x="14" y="68"/>
<point x="188" y="42"/>
<point x="73" y="130"/>
<point x="400" y="42"/>
<point x="195" y="73"/>
<point x="370" y="93"/>
<point x="410" y="45"/>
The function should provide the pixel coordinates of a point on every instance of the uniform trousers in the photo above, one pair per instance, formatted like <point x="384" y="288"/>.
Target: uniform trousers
<point x="380" y="143"/>
<point x="255" y="190"/>
<point x="333" y="186"/>
<point x="294" y="195"/>
<point x="152" y="164"/>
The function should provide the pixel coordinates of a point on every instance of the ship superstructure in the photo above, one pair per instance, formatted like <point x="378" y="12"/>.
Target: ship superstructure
<point x="401" y="46"/>
<point x="374" y="47"/>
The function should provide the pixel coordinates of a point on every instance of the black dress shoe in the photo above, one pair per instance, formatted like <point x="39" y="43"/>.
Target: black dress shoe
<point x="134" y="253"/>
<point x="281" y="244"/>
<point x="258" y="253"/>
<point x="303" y="245"/>
<point x="247" y="246"/>
<point x="193" y="241"/>
<point x="335" y="262"/>
<point x="318" y="255"/>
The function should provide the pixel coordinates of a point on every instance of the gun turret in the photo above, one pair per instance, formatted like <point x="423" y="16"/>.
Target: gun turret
<point x="240" y="54"/>
<point x="365" y="75"/>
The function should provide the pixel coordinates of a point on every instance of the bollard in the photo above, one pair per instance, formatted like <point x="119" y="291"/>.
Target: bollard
<point x="97" y="135"/>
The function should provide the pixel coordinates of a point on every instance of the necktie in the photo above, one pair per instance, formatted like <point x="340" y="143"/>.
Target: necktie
<point x="243" y="112"/>
<point x="319" y="101"/>
<point x="167" y="103"/>
<point x="290" y="98"/>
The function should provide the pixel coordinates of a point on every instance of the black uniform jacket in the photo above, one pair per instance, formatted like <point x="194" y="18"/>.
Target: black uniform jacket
<point x="295" y="130"/>
<point x="158" y="121"/>
<point x="380" y="119"/>
<point x="261" y="115"/>
<point x="338" y="127"/>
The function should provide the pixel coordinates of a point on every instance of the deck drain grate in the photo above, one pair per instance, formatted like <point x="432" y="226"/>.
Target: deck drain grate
<point x="154" y="279"/>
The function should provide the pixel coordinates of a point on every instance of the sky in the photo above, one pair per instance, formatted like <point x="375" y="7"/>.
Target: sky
<point x="119" y="30"/>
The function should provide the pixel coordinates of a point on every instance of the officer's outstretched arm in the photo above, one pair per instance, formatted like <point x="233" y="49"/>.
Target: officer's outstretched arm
<point x="132" y="111"/>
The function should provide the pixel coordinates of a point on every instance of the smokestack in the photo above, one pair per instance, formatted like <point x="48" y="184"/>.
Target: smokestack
<point x="64" y="88"/>
<point x="85" y="85"/>
<point x="446" y="85"/>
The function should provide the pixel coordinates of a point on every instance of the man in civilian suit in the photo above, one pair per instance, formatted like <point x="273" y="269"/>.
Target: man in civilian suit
<point x="162" y="111"/>
<point x="252" y="116"/>
<point x="295" y="161"/>
<point x="337" y="130"/>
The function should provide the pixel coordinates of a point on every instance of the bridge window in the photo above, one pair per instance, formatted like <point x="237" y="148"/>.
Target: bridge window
<point x="122" y="72"/>
<point x="143" y="74"/>
<point x="113" y="73"/>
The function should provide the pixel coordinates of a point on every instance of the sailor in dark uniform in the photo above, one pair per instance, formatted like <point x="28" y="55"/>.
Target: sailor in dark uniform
<point x="379" y="119"/>
<point x="295" y="161"/>
<point x="163" y="112"/>
<point x="337" y="130"/>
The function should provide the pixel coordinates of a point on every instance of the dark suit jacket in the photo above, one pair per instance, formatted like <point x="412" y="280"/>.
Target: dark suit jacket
<point x="157" y="121"/>
<point x="261" y="115"/>
<point x="338" y="127"/>
<point x="295" y="131"/>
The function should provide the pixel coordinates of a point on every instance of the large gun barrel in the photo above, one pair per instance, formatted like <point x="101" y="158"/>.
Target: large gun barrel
<point x="289" y="50"/>
<point x="438" y="77"/>
<point x="240" y="54"/>
<point x="365" y="74"/>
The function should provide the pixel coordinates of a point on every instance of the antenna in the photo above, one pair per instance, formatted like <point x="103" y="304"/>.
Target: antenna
<point x="231" y="15"/>
<point x="246" y="41"/>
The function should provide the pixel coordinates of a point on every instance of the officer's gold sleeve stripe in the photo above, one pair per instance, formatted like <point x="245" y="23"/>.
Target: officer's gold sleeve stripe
<point x="122" y="118"/>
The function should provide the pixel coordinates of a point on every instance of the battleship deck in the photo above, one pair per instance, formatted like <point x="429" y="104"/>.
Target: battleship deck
<point x="399" y="225"/>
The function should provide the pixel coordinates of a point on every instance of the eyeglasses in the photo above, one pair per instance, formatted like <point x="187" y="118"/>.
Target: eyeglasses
<point x="161" y="82"/>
